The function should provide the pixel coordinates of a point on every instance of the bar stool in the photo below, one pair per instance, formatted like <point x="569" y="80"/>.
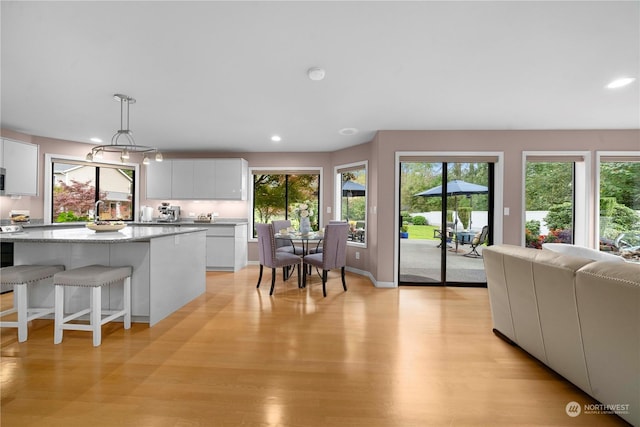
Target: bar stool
<point x="21" y="276"/>
<point x="95" y="277"/>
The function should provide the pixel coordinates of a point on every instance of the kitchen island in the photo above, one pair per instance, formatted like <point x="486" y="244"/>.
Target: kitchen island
<point x="226" y="242"/>
<point x="169" y="265"/>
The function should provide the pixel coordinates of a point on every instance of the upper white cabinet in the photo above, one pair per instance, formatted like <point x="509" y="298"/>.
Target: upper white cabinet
<point x="20" y="159"/>
<point x="231" y="179"/>
<point x="204" y="177"/>
<point x="199" y="179"/>
<point x="159" y="180"/>
<point x="182" y="179"/>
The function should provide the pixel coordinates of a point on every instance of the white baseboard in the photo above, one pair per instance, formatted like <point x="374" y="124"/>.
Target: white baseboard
<point x="376" y="283"/>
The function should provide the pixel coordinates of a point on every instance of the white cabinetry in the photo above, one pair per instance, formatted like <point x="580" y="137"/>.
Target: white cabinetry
<point x="20" y="159"/>
<point x="182" y="179"/>
<point x="159" y="180"/>
<point x="199" y="179"/>
<point x="227" y="247"/>
<point x="204" y="176"/>
<point x="231" y="179"/>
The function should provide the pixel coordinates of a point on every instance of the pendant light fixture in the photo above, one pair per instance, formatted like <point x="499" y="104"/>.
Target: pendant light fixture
<point x="127" y="144"/>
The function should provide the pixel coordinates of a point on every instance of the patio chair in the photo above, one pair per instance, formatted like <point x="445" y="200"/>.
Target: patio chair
<point x="448" y="236"/>
<point x="359" y="231"/>
<point x="271" y="258"/>
<point x="478" y="240"/>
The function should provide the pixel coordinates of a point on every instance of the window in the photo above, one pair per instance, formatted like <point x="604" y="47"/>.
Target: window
<point x="619" y="204"/>
<point x="277" y="195"/>
<point x="351" y="199"/>
<point x="77" y="186"/>
<point x="555" y="198"/>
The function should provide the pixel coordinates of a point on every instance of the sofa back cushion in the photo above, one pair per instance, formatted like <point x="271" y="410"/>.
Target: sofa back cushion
<point x="581" y="251"/>
<point x="515" y="276"/>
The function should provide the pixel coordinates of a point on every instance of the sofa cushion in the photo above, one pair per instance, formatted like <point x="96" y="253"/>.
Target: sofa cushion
<point x="608" y="299"/>
<point x="582" y="252"/>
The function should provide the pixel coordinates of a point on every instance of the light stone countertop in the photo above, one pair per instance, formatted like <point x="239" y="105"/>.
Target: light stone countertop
<point x="136" y="233"/>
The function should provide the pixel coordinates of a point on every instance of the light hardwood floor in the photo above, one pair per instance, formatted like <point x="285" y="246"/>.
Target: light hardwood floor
<point x="413" y="356"/>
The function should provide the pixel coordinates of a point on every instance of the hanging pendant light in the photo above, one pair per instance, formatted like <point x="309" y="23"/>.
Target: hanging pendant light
<point x="128" y="145"/>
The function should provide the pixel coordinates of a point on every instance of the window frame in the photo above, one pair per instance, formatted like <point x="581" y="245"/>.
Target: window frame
<point x="337" y="181"/>
<point x="283" y="170"/>
<point x="48" y="188"/>
<point x="582" y="191"/>
<point x="595" y="243"/>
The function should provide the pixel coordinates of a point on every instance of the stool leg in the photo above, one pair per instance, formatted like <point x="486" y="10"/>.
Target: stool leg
<point x="58" y="314"/>
<point x="96" y="314"/>
<point x="127" y="303"/>
<point x="20" y="294"/>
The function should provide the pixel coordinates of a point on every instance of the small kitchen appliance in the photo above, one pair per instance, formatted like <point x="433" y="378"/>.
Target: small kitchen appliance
<point x="168" y="213"/>
<point x="146" y="214"/>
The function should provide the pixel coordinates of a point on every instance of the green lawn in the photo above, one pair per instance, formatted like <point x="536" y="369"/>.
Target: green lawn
<point x="422" y="231"/>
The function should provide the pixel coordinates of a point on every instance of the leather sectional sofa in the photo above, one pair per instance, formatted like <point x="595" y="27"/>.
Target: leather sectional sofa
<point x="579" y="315"/>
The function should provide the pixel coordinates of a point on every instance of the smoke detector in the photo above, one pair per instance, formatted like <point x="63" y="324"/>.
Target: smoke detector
<point x="316" y="73"/>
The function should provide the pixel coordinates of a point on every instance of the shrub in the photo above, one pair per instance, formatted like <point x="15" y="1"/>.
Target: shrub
<point x="560" y="216"/>
<point x="464" y="213"/>
<point x="419" y="220"/>
<point x="533" y="227"/>
<point x="69" y="216"/>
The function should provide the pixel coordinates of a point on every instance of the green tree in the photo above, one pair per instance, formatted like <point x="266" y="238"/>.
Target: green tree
<point x="621" y="180"/>
<point x="277" y="195"/>
<point x="547" y="184"/>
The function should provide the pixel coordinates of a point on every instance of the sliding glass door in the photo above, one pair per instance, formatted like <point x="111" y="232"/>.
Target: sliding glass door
<point x="446" y="217"/>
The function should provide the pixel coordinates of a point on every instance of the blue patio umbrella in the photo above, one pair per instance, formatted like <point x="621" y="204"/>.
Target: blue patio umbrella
<point x="456" y="188"/>
<point x="352" y="189"/>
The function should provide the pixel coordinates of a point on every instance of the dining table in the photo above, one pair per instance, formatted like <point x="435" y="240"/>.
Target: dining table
<point x="305" y="240"/>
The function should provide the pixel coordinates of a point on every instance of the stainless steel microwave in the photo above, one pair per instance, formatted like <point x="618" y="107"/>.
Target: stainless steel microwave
<point x="3" y="172"/>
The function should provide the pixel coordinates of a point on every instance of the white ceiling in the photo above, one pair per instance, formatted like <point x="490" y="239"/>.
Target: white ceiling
<point x="225" y="76"/>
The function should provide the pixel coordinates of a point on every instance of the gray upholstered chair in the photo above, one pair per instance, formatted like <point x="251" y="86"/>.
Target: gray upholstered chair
<point x="284" y="245"/>
<point x="333" y="255"/>
<point x="271" y="258"/>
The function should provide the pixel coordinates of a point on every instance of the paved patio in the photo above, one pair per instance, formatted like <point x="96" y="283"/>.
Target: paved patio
<point x="420" y="263"/>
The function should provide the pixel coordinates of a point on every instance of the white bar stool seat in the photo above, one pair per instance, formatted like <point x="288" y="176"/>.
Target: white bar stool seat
<point x="95" y="277"/>
<point x="21" y="276"/>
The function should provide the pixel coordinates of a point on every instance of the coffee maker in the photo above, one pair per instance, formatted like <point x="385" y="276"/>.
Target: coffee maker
<point x="168" y="213"/>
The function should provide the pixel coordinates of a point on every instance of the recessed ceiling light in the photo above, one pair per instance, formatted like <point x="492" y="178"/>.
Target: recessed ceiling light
<point x="316" y="73"/>
<point x="96" y="140"/>
<point x="620" y="82"/>
<point x="276" y="138"/>
<point x="348" y="131"/>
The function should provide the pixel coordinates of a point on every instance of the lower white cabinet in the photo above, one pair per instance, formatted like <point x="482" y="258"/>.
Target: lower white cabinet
<point x="226" y="247"/>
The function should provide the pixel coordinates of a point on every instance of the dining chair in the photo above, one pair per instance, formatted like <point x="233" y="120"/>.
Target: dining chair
<point x="333" y="255"/>
<point x="271" y="258"/>
<point x="283" y="245"/>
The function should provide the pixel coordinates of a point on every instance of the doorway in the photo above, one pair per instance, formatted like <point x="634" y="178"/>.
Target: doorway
<point x="446" y="219"/>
